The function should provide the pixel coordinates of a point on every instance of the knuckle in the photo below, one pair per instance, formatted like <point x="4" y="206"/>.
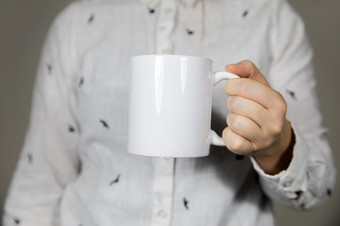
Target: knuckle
<point x="282" y="108"/>
<point x="225" y="134"/>
<point x="249" y="64"/>
<point x="232" y="103"/>
<point x="232" y="143"/>
<point x="266" y="144"/>
<point x="281" y="105"/>
<point x="230" y="87"/>
<point x="277" y="128"/>
<point x="267" y="140"/>
<point x="235" y="145"/>
<point x="234" y="121"/>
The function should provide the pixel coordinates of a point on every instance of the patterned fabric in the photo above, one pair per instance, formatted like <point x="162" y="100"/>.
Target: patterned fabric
<point x="74" y="169"/>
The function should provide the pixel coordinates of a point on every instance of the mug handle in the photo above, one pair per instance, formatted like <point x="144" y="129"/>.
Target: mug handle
<point x="218" y="77"/>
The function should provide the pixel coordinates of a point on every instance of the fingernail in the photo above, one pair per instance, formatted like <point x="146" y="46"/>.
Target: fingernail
<point x="232" y="66"/>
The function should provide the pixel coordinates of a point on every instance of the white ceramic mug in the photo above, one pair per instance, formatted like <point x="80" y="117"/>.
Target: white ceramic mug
<point x="170" y="105"/>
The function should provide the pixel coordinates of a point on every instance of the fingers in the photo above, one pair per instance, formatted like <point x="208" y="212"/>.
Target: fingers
<point x="252" y="90"/>
<point x="244" y="127"/>
<point x="252" y="85"/>
<point x="248" y="108"/>
<point x="247" y="69"/>
<point x="269" y="121"/>
<point x="236" y="143"/>
<point x="257" y="112"/>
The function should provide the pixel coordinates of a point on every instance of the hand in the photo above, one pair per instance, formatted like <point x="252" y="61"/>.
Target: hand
<point x="257" y="121"/>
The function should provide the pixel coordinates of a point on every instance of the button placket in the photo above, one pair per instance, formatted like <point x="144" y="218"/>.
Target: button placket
<point x="163" y="190"/>
<point x="162" y="213"/>
<point x="165" y="26"/>
<point x="164" y="167"/>
<point x="191" y="26"/>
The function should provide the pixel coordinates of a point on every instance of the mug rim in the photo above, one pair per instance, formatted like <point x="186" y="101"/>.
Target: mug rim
<point x="171" y="55"/>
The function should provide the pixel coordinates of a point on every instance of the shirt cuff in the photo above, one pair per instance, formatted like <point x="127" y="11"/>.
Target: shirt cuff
<point x="292" y="181"/>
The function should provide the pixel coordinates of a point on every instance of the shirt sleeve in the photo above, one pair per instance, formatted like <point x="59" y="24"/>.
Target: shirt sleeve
<point x="310" y="177"/>
<point x="49" y="159"/>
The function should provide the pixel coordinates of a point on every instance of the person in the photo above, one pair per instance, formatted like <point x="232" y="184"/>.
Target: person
<point x="74" y="168"/>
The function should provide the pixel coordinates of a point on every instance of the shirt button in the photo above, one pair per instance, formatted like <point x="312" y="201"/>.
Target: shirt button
<point x="162" y="213"/>
<point x="166" y="51"/>
<point x="168" y="9"/>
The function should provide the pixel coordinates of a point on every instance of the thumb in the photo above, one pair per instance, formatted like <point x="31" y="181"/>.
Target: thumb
<point x="247" y="69"/>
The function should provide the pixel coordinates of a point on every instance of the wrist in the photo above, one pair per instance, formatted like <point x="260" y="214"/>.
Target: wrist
<point x="277" y="157"/>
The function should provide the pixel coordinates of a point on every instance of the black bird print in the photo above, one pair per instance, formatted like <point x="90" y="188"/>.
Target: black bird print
<point x="329" y="192"/>
<point x="71" y="129"/>
<point x="104" y="124"/>
<point x="190" y="32"/>
<point x="91" y="18"/>
<point x="245" y="13"/>
<point x="151" y="10"/>
<point x="186" y="203"/>
<point x="115" y="180"/>
<point x="49" y="68"/>
<point x="17" y="220"/>
<point x="81" y="81"/>
<point x="30" y="158"/>
<point x="292" y="94"/>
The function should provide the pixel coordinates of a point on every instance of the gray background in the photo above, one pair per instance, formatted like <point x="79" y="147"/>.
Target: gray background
<point x="23" y="26"/>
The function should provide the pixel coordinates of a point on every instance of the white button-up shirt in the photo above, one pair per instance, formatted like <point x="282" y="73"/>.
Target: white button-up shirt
<point x="74" y="169"/>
